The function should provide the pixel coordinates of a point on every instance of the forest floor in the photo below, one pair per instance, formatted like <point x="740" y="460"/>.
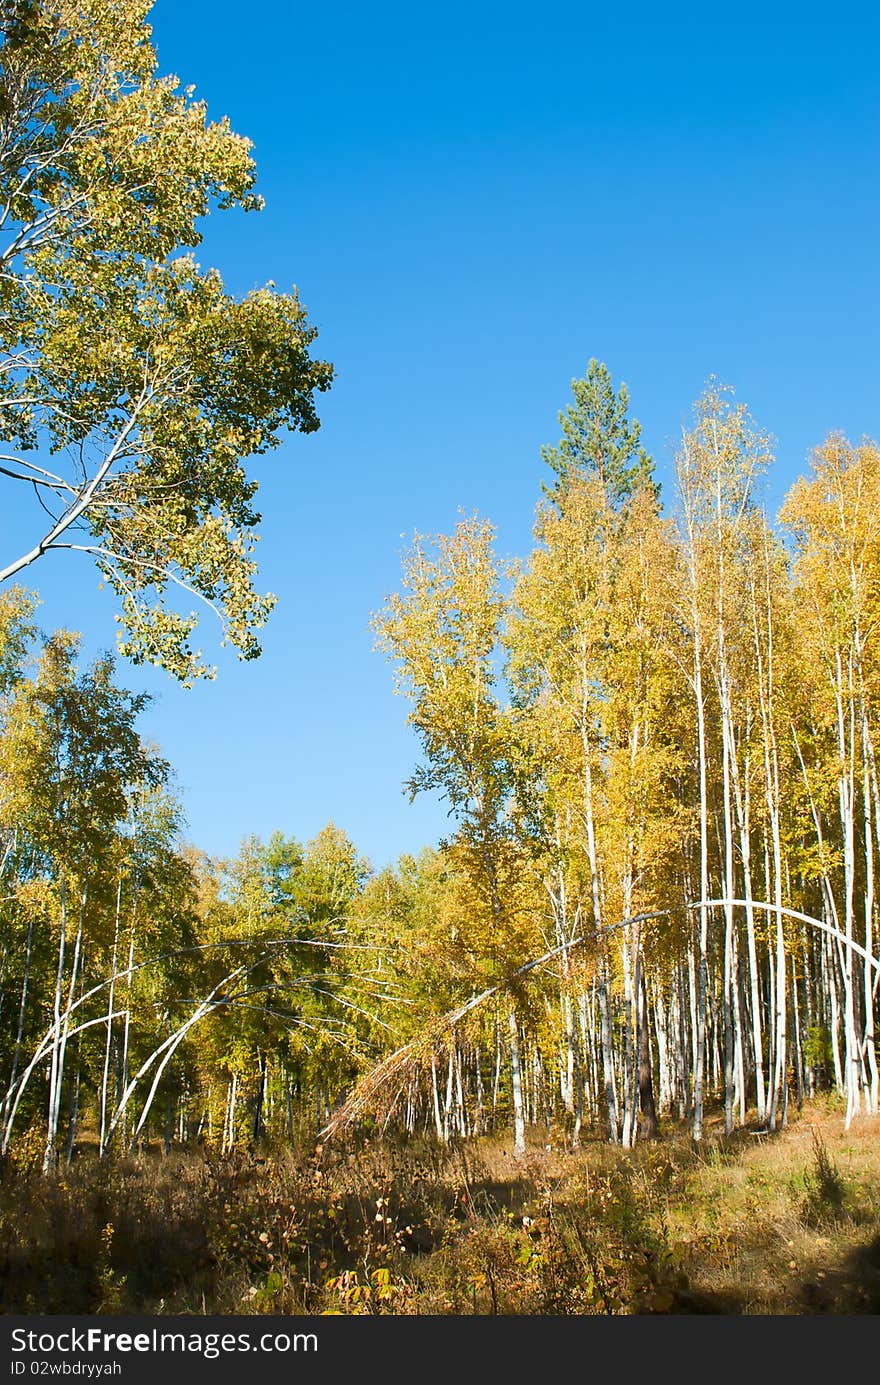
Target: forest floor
<point x="757" y="1224"/>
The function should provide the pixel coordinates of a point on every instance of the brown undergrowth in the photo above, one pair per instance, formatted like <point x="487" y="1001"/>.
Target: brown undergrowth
<point x="755" y="1224"/>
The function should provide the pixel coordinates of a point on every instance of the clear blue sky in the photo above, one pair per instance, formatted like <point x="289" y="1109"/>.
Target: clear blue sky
<point x="473" y="200"/>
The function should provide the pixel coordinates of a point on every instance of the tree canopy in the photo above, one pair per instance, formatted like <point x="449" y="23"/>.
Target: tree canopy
<point x="599" y="438"/>
<point x="133" y="387"/>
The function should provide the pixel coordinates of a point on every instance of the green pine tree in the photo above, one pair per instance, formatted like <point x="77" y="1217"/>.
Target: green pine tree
<point x="599" y="438"/>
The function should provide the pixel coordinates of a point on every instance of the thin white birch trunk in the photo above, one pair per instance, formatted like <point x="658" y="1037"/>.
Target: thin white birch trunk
<point x="519" y="1125"/>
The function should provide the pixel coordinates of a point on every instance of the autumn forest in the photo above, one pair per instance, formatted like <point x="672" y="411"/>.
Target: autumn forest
<point x="647" y="944"/>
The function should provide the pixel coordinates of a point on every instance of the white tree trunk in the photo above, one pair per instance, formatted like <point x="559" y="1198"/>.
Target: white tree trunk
<point x="519" y="1124"/>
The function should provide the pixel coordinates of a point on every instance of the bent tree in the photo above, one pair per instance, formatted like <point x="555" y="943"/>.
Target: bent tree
<point x="68" y="752"/>
<point x="132" y="385"/>
<point x="139" y="982"/>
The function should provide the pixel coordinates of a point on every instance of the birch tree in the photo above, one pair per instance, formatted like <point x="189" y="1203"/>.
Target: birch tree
<point x="132" y="386"/>
<point x="444" y="632"/>
<point x="69" y="751"/>
<point x="717" y="463"/>
<point x="834" y="518"/>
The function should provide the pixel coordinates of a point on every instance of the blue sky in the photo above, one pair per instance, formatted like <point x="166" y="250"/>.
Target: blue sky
<point x="474" y="200"/>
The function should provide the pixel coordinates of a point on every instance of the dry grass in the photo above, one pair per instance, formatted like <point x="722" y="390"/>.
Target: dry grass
<point x="787" y="1224"/>
<point x="769" y="1224"/>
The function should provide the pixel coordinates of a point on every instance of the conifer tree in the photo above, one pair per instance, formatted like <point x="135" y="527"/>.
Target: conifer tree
<point x="599" y="439"/>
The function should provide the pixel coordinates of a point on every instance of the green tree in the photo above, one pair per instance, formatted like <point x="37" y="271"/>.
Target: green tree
<point x="69" y="754"/>
<point x="16" y="632"/>
<point x="599" y="439"/>
<point x="132" y="386"/>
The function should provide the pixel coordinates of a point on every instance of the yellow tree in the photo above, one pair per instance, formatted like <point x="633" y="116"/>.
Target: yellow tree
<point x="835" y="521"/>
<point x="641" y="761"/>
<point x="717" y="463"/>
<point x="443" y="630"/>
<point x="132" y="387"/>
<point x="591" y="674"/>
<point x="558" y="645"/>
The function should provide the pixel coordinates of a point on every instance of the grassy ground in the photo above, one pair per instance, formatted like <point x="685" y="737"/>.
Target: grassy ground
<point x="756" y="1224"/>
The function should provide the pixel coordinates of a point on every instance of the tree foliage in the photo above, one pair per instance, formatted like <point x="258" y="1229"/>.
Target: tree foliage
<point x="599" y="438"/>
<point x="655" y="737"/>
<point x="133" y="387"/>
